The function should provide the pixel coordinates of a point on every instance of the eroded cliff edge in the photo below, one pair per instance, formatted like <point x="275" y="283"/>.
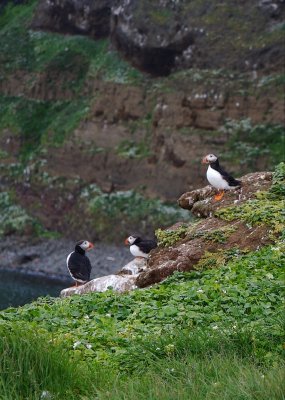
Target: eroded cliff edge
<point x="246" y="220"/>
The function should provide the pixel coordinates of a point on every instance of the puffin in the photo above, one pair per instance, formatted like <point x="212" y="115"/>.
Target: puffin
<point x="140" y="248"/>
<point x="218" y="177"/>
<point x="78" y="264"/>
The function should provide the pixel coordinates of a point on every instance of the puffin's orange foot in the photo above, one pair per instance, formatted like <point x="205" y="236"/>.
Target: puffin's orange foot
<point x="219" y="195"/>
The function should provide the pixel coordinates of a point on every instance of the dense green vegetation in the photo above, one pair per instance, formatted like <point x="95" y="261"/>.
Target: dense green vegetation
<point x="232" y="315"/>
<point x="200" y="367"/>
<point x="218" y="329"/>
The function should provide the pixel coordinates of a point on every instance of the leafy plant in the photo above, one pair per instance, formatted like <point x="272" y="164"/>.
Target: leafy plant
<point x="126" y="210"/>
<point x="248" y="143"/>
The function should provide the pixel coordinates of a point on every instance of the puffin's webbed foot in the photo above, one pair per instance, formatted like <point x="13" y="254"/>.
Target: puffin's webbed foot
<point x="219" y="195"/>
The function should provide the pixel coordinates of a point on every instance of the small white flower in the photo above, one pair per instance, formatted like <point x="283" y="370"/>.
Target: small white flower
<point x="200" y="291"/>
<point x="46" y="395"/>
<point x="89" y="346"/>
<point x="215" y="327"/>
<point x="76" y="344"/>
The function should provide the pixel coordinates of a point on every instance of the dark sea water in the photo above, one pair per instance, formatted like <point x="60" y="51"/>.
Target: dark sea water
<point x="18" y="288"/>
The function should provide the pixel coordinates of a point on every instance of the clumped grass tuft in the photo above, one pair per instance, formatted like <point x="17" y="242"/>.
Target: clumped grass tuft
<point x="31" y="367"/>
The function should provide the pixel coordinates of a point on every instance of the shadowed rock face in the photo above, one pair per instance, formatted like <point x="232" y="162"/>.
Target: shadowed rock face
<point x="162" y="36"/>
<point x="74" y="16"/>
<point x="151" y="34"/>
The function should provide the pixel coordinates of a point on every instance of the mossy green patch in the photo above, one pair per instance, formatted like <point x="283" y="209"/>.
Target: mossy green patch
<point x="131" y="149"/>
<point x="267" y="208"/>
<point x="216" y="235"/>
<point x="169" y="237"/>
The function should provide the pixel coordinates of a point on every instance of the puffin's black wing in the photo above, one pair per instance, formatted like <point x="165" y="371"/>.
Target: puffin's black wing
<point x="147" y="245"/>
<point x="231" y="181"/>
<point x="79" y="266"/>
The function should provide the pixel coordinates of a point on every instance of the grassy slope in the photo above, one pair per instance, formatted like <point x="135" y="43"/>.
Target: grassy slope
<point x="208" y="333"/>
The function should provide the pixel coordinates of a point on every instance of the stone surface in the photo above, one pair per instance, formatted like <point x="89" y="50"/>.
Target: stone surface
<point x="118" y="283"/>
<point x="122" y="281"/>
<point x="74" y="16"/>
<point x="187" y="252"/>
<point x="162" y="36"/>
<point x="201" y="201"/>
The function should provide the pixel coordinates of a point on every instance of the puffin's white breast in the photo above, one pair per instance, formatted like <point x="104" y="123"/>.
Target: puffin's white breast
<point x="68" y="257"/>
<point x="216" y="179"/>
<point x="136" y="252"/>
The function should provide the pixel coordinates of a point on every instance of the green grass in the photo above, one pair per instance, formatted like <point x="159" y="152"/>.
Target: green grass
<point x="31" y="366"/>
<point x="217" y="332"/>
<point x="195" y="366"/>
<point x="242" y="296"/>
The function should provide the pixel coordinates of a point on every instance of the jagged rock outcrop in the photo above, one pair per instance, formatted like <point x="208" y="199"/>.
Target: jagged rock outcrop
<point x="74" y="16"/>
<point x="153" y="34"/>
<point x="162" y="36"/>
<point x="200" y="201"/>
<point x="210" y="235"/>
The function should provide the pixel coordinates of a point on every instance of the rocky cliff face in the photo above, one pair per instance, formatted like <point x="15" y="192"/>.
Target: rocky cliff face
<point x="76" y="17"/>
<point x="76" y="117"/>
<point x="166" y="35"/>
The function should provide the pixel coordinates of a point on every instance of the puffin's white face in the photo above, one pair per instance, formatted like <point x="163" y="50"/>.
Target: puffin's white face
<point x="210" y="158"/>
<point x="85" y="245"/>
<point x="130" y="240"/>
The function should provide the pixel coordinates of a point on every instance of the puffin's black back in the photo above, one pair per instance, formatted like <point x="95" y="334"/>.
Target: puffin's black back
<point x="145" y="245"/>
<point x="231" y="181"/>
<point x="79" y="266"/>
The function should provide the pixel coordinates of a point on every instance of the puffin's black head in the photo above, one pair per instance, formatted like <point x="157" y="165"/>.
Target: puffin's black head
<point x="132" y="240"/>
<point x="209" y="159"/>
<point x="84" y="245"/>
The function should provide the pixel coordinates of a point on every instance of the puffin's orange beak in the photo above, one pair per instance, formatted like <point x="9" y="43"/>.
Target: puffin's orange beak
<point x="205" y="160"/>
<point x="91" y="245"/>
<point x="127" y="242"/>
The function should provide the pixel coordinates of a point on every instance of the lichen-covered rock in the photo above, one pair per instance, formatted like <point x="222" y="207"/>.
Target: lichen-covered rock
<point x="73" y="16"/>
<point x="202" y="204"/>
<point x="119" y="283"/>
<point x="134" y="267"/>
<point x="122" y="281"/>
<point x="243" y="221"/>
